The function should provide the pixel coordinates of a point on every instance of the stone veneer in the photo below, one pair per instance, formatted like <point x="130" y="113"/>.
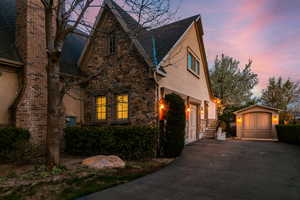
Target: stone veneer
<point x="123" y="73"/>
<point x="31" y="111"/>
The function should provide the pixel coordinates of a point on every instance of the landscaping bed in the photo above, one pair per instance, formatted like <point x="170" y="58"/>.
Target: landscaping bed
<point x="289" y="133"/>
<point x="71" y="180"/>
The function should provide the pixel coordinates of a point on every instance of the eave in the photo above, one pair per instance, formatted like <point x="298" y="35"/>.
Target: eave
<point x="11" y="63"/>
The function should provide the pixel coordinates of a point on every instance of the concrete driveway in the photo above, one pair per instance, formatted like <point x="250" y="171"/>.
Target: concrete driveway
<point x="209" y="170"/>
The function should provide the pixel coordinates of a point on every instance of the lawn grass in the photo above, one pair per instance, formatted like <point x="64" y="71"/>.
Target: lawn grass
<point x="71" y="184"/>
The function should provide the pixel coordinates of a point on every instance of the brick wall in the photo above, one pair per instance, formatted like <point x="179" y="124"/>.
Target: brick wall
<point x="31" y="111"/>
<point x="124" y="73"/>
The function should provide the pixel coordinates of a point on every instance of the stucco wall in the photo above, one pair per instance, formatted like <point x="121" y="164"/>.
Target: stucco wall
<point x="8" y="91"/>
<point x="74" y="105"/>
<point x="180" y="79"/>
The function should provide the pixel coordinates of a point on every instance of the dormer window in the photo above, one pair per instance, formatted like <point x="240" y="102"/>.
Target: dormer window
<point x="112" y="43"/>
<point x="193" y="64"/>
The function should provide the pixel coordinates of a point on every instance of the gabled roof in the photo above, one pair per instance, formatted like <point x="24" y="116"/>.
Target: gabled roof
<point x="259" y="106"/>
<point x="71" y="52"/>
<point x="165" y="36"/>
<point x="8" y="49"/>
<point x="72" y="48"/>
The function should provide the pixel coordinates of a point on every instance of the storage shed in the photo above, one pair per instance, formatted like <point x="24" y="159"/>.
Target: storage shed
<point x="257" y="122"/>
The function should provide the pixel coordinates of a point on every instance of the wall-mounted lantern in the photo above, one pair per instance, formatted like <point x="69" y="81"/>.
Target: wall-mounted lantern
<point x="162" y="109"/>
<point x="188" y="111"/>
<point x="239" y="120"/>
<point x="275" y="119"/>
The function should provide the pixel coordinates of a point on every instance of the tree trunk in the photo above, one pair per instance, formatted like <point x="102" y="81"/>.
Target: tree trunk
<point x="55" y="113"/>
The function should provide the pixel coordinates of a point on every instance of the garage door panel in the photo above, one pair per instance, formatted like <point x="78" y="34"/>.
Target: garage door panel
<point x="263" y="121"/>
<point x="257" y="134"/>
<point x="257" y="125"/>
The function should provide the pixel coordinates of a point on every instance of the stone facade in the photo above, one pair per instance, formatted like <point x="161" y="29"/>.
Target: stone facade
<point x="124" y="72"/>
<point x="31" y="109"/>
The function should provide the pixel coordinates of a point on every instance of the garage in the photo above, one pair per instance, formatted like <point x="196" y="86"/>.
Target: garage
<point x="257" y="122"/>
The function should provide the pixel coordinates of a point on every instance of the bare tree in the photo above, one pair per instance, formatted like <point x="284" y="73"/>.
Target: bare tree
<point x="64" y="17"/>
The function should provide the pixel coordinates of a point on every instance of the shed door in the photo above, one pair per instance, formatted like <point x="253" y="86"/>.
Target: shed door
<point x="192" y="132"/>
<point x="257" y="125"/>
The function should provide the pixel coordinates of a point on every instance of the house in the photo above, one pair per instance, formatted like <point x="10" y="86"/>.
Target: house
<point x="136" y="71"/>
<point x="257" y="122"/>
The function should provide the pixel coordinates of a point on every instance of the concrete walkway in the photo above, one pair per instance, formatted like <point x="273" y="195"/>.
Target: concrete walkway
<point x="212" y="170"/>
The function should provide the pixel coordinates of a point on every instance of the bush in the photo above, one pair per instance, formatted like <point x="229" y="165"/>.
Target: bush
<point x="131" y="143"/>
<point x="174" y="137"/>
<point x="289" y="133"/>
<point x="13" y="143"/>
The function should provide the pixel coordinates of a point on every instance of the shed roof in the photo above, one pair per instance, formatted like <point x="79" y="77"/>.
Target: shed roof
<point x="260" y="106"/>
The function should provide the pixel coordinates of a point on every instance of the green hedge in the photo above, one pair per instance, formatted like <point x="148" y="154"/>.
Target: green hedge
<point x="131" y="143"/>
<point x="174" y="137"/>
<point x="11" y="139"/>
<point x="289" y="133"/>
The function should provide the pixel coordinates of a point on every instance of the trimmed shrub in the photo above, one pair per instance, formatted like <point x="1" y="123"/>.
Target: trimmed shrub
<point x="174" y="137"/>
<point x="130" y="143"/>
<point x="289" y="133"/>
<point x="13" y="142"/>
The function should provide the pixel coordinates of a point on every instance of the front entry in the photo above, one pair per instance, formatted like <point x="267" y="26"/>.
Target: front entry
<point x="192" y="125"/>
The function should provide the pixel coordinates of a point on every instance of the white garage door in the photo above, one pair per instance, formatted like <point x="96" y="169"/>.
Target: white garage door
<point x="192" y="126"/>
<point x="257" y="125"/>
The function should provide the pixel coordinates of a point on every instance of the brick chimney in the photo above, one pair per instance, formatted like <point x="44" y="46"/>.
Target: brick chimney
<point x="31" y="111"/>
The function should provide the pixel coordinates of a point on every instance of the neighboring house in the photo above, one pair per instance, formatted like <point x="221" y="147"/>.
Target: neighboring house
<point x="137" y="72"/>
<point x="257" y="122"/>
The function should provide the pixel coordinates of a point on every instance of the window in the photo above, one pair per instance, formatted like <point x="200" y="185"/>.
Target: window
<point x="190" y="61"/>
<point x="112" y="43"/>
<point x="122" y="107"/>
<point x="101" y="108"/>
<point x="193" y="64"/>
<point x="197" y="67"/>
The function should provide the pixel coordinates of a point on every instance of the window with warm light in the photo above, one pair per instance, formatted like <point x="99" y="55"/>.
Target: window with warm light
<point x="101" y="110"/>
<point x="122" y="107"/>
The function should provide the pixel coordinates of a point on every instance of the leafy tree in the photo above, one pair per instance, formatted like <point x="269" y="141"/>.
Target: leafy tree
<point x="280" y="94"/>
<point x="230" y="83"/>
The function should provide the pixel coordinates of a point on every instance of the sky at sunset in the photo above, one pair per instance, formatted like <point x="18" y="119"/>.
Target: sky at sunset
<point x="265" y="31"/>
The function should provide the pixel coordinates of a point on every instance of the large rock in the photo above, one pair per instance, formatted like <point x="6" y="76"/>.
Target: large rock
<point x="104" y="162"/>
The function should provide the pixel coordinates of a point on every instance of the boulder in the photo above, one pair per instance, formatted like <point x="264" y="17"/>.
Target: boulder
<point x="104" y="162"/>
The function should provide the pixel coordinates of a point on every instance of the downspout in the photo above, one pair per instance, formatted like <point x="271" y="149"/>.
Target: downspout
<point x="13" y="107"/>
<point x="155" y="67"/>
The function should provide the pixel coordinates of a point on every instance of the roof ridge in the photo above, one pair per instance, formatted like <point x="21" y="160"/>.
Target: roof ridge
<point x="179" y="21"/>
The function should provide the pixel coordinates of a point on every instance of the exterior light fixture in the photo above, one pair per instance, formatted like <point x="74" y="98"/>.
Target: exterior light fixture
<point x="188" y="109"/>
<point x="218" y="101"/>
<point x="162" y="110"/>
<point x="275" y="118"/>
<point x="239" y="120"/>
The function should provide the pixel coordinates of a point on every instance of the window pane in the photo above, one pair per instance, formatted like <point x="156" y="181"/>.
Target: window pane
<point x="190" y="61"/>
<point x="112" y="43"/>
<point x="194" y="64"/>
<point x="101" y="108"/>
<point x="197" y="67"/>
<point x="122" y="107"/>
